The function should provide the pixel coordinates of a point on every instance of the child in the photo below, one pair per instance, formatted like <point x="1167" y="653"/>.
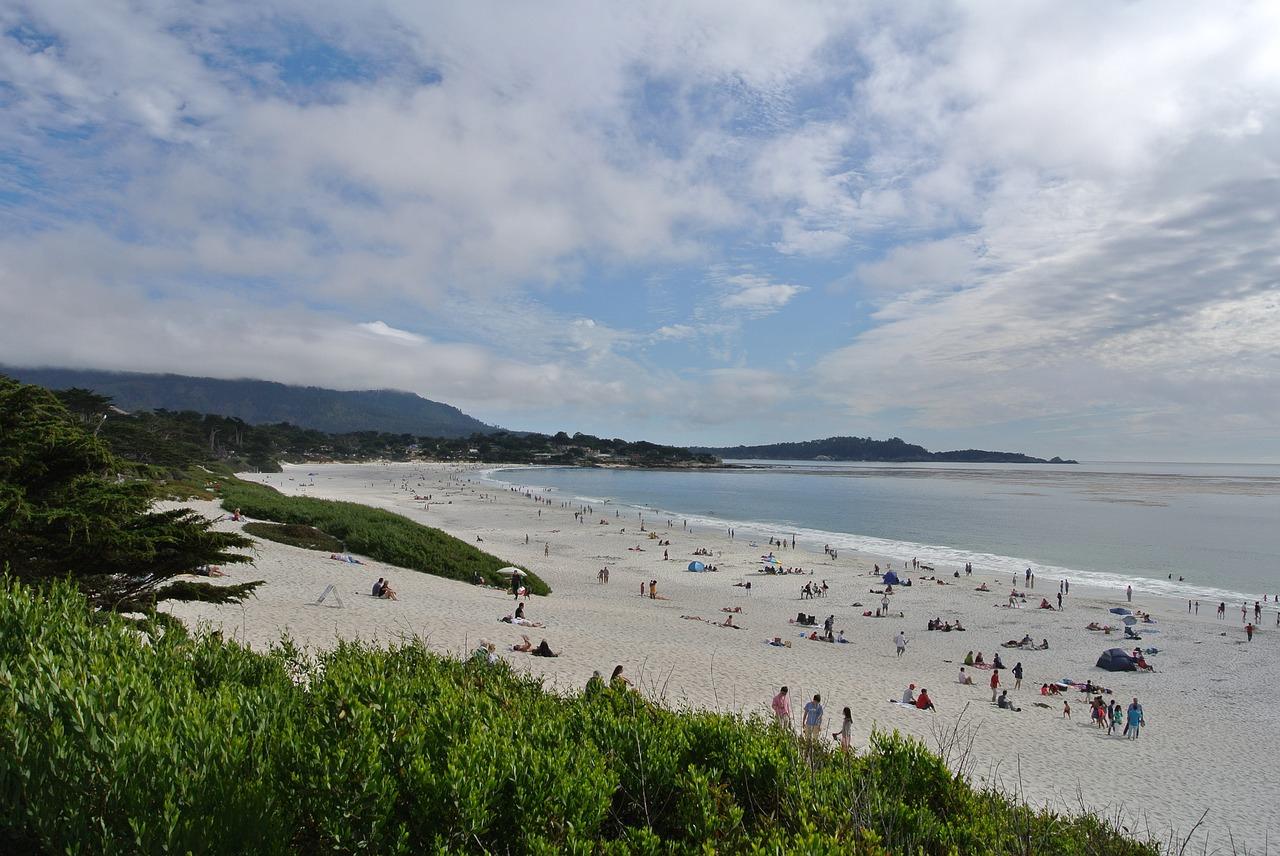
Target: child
<point x="1066" y="709"/>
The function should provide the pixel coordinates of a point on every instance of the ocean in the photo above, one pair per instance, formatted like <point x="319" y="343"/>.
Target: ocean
<point x="1217" y="526"/>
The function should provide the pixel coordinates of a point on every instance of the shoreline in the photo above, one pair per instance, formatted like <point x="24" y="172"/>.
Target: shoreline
<point x="1183" y="764"/>
<point x="872" y="547"/>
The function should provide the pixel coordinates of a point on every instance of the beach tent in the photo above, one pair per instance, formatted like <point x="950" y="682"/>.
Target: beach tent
<point x="697" y="566"/>
<point x="1117" y="660"/>
<point x="1120" y="610"/>
<point x="891" y="579"/>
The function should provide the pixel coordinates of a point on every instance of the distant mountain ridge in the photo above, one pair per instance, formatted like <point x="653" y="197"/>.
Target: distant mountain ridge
<point x="261" y="402"/>
<point x="893" y="450"/>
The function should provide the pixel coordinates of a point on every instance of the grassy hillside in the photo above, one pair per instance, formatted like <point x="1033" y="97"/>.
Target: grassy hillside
<point x="113" y="744"/>
<point x="376" y="533"/>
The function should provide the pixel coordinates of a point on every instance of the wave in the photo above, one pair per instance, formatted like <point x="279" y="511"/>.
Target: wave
<point x="941" y="557"/>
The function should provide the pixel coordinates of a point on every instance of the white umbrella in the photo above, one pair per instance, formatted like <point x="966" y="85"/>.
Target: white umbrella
<point x="509" y="571"/>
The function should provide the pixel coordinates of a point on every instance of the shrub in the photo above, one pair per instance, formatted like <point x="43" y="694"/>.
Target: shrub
<point x="110" y="742"/>
<point x="295" y="535"/>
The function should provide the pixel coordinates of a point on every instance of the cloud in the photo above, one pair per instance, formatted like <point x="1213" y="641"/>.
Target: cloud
<point x="756" y="294"/>
<point x="379" y="328"/>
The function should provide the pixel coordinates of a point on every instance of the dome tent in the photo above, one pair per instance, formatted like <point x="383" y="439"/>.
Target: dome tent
<point x="1117" y="660"/>
<point x="891" y="579"/>
<point x="697" y="566"/>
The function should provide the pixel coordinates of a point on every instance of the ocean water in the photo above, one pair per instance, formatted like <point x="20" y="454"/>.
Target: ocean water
<point x="1215" y="525"/>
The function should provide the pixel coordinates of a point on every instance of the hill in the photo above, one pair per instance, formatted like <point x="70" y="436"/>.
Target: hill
<point x="260" y="402"/>
<point x="893" y="450"/>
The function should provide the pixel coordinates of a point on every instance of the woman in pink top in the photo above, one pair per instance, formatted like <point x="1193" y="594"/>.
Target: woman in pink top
<point x="782" y="707"/>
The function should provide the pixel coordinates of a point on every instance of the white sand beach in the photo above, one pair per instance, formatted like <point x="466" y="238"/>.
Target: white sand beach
<point x="1211" y="732"/>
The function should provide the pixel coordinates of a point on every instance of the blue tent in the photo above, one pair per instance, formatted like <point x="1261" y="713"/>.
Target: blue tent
<point x="697" y="566"/>
<point x="891" y="579"/>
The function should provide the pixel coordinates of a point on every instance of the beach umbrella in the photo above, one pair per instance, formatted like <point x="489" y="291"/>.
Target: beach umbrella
<point x="510" y="571"/>
<point x="1119" y="610"/>
<point x="1130" y="620"/>
<point x="697" y="566"/>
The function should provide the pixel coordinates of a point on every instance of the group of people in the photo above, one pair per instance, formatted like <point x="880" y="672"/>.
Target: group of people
<point x="811" y="590"/>
<point x="382" y="589"/>
<point x="945" y="626"/>
<point x="811" y="718"/>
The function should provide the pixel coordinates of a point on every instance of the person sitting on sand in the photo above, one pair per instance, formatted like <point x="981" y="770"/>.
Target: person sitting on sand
<point x="958" y="627"/>
<point x="909" y="694"/>
<point x="377" y="588"/>
<point x="924" y="702"/>
<point x="524" y="646"/>
<point x="1005" y="704"/>
<point x="388" y="593"/>
<point x="978" y="661"/>
<point x="968" y="659"/>
<point x="982" y="587"/>
<point x="1044" y="604"/>
<point x="997" y="663"/>
<point x="543" y="650"/>
<point x="777" y="642"/>
<point x="728" y="622"/>
<point x="840" y="637"/>
<point x="965" y="678"/>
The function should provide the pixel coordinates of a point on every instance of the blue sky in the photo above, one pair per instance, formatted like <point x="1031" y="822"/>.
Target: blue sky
<point x="1046" y="227"/>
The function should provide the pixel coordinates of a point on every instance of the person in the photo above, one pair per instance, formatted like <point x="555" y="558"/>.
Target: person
<point x="1017" y="676"/>
<point x="388" y="593"/>
<point x="900" y="642"/>
<point x="520" y="611"/>
<point x="1135" y="720"/>
<point x="1004" y="703"/>
<point x="909" y="694"/>
<point x="924" y="702"/>
<point x="840" y="637"/>
<point x="1248" y="631"/>
<point x="845" y="734"/>
<point x="782" y="707"/>
<point x="968" y="659"/>
<point x="995" y="683"/>
<point x="543" y="650"/>
<point x="1066" y="709"/>
<point x="997" y="663"/>
<point x="1117" y="716"/>
<point x="978" y="661"/>
<point x="616" y="680"/>
<point x="813" y="717"/>
<point x="525" y="646"/>
<point x="1059" y="601"/>
<point x="965" y="678"/>
<point x="1128" y="593"/>
<point x="377" y="588"/>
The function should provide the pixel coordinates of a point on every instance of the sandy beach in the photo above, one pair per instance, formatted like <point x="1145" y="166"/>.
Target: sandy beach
<point x="1209" y="706"/>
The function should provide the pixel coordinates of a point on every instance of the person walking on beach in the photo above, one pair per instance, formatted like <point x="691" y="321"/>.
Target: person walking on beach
<point x="1059" y="601"/>
<point x="781" y="705"/>
<point x="846" y="731"/>
<point x="1128" y="593"/>
<point x="1066" y="709"/>
<point x="995" y="684"/>
<point x="813" y="718"/>
<point x="1136" y="720"/>
<point x="1248" y="631"/>
<point x="1017" y="676"/>
<point x="900" y="642"/>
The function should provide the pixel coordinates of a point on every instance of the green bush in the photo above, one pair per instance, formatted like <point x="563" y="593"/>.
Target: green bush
<point x="295" y="535"/>
<point x="110" y="743"/>
<point x="376" y="533"/>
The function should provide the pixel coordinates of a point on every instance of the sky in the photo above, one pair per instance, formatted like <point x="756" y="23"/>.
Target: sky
<point x="1038" y="226"/>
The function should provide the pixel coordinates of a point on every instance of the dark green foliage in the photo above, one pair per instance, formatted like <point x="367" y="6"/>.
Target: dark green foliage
<point x="376" y="533"/>
<point x="67" y="509"/>
<point x="295" y="535"/>
<point x="866" y="449"/>
<point x="110" y="745"/>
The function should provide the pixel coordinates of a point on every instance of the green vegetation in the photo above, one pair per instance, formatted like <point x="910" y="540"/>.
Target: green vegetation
<point x="295" y="535"/>
<point x="167" y="445"/>
<point x="113" y="744"/>
<point x="69" y="508"/>
<point x="893" y="450"/>
<point x="376" y="533"/>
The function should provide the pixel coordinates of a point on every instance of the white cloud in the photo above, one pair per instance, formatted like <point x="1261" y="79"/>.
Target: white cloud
<point x="380" y="328"/>
<point x="756" y="294"/>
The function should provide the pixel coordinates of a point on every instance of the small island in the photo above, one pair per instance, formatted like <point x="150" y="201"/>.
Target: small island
<point x="894" y="450"/>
